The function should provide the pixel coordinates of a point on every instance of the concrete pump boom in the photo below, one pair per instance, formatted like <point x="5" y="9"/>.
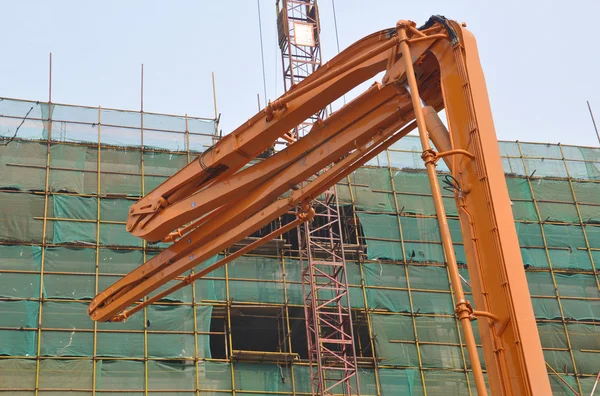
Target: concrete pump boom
<point x="214" y="202"/>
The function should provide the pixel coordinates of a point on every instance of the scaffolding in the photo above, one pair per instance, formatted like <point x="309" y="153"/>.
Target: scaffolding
<point x="69" y="176"/>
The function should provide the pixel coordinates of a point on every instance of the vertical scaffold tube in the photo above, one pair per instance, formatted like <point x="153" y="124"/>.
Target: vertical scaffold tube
<point x="463" y="309"/>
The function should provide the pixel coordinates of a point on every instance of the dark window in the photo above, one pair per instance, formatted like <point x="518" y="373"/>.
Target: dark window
<point x="218" y="336"/>
<point x="258" y="329"/>
<point x="361" y="334"/>
<point x="298" y="332"/>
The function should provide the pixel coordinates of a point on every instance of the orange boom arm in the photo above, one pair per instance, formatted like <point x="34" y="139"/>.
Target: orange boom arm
<point x="214" y="202"/>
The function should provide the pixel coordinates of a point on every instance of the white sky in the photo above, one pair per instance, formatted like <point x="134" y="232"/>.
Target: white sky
<point x="541" y="58"/>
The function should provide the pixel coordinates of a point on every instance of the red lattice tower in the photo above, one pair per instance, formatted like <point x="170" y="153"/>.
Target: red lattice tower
<point x="330" y="337"/>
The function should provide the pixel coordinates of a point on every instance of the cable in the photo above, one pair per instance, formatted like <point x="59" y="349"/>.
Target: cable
<point x="442" y="20"/>
<point x="337" y="37"/>
<point x="19" y="127"/>
<point x="451" y="184"/>
<point x="262" y="53"/>
<point x="276" y="57"/>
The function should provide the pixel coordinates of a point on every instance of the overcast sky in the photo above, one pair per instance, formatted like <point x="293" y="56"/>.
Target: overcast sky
<point x="541" y="58"/>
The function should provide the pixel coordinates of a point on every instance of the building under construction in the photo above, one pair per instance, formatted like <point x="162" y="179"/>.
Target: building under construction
<point x="357" y="301"/>
<point x="70" y="175"/>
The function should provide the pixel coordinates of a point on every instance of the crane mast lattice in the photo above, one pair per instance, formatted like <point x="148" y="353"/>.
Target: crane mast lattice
<point x="330" y="338"/>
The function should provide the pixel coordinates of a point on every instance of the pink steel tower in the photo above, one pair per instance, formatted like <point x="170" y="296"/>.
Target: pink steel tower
<point x="330" y="337"/>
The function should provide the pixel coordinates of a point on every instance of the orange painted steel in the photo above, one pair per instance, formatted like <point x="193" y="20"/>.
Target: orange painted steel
<point x="463" y="308"/>
<point x="306" y="214"/>
<point x="213" y="203"/>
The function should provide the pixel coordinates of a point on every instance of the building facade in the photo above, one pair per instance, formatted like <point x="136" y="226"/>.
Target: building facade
<point x="68" y="175"/>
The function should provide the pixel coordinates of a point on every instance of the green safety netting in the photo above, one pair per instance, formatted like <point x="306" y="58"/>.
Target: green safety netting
<point x="403" y="382"/>
<point x="119" y="261"/>
<point x="74" y="169"/>
<point x="20" y="257"/>
<point x="566" y="245"/>
<point x="214" y="375"/>
<point x="302" y="380"/>
<point x="546" y="308"/>
<point x="293" y="276"/>
<point x="22" y="166"/>
<point x="518" y="188"/>
<point x="441" y="356"/>
<point x="394" y="337"/>
<point x="120" y="375"/>
<point x="76" y="208"/>
<point x="394" y="340"/>
<point x="421" y="238"/>
<point x="379" y="279"/>
<point x="413" y="286"/>
<point x="73" y="315"/>
<point x="586" y="192"/>
<point x="586" y="361"/>
<point x="437" y="329"/>
<point x="17" y="373"/>
<point x="390" y="300"/>
<point x="584" y="343"/>
<point x="567" y="285"/>
<point x="21" y="217"/>
<point x="583" y="170"/>
<point x="259" y="377"/>
<point x="31" y="114"/>
<point x="124" y="376"/>
<point x="525" y="211"/>
<point x="580" y="309"/>
<point x="433" y="303"/>
<point x="383" y="283"/>
<point x="446" y="383"/>
<point x="534" y="257"/>
<point x="106" y="126"/>
<point x="261" y="279"/>
<point x="513" y="167"/>
<point x="581" y="153"/>
<point x="552" y="335"/>
<point x="20" y="285"/>
<point x="584" y="336"/>
<point x="428" y="278"/>
<point x="545" y="167"/>
<point x="573" y="309"/>
<point x="171" y="376"/>
<point x="363" y="183"/>
<point x="559" y="360"/>
<point x="372" y="190"/>
<point x="382" y="235"/>
<point x="560" y="389"/>
<point x="384" y="275"/>
<point x="71" y="338"/>
<point x="18" y="315"/>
